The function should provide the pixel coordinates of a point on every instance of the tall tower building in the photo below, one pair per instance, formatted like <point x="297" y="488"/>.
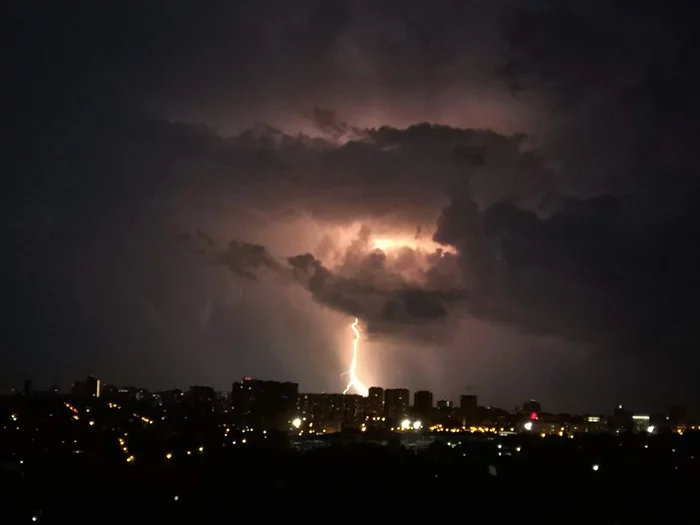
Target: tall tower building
<point x="375" y="401"/>
<point x="396" y="401"/>
<point x="468" y="408"/>
<point x="423" y="402"/>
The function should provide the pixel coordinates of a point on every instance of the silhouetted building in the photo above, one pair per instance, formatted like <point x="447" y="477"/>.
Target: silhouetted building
<point x="353" y="406"/>
<point x="125" y="394"/>
<point x="330" y="412"/>
<point x="677" y="415"/>
<point x="201" y="399"/>
<point x="467" y="402"/>
<point x="265" y="405"/>
<point x="621" y="419"/>
<point x="91" y="387"/>
<point x="396" y="401"/>
<point x="375" y="401"/>
<point x="169" y="399"/>
<point x="445" y="406"/>
<point x="532" y="406"/>
<point x="423" y="403"/>
<point x="423" y="400"/>
<point x="468" y="408"/>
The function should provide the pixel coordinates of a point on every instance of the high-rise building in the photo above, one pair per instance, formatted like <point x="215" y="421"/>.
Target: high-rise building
<point x="396" y="401"/>
<point x="91" y="387"/>
<point x="468" y="408"/>
<point x="375" y="401"/>
<point x="353" y="406"/>
<point x="201" y="399"/>
<point x="467" y="402"/>
<point x="330" y="412"/>
<point x="423" y="402"/>
<point x="263" y="404"/>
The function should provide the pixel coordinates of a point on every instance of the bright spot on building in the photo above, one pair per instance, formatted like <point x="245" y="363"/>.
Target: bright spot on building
<point x="405" y="424"/>
<point x="296" y="422"/>
<point x="168" y="455"/>
<point x="596" y="467"/>
<point x="417" y="425"/>
<point x="176" y="498"/>
<point x="650" y="429"/>
<point x="528" y="425"/>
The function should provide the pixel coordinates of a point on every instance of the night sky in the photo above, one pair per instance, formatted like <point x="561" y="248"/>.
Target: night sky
<point x="504" y="192"/>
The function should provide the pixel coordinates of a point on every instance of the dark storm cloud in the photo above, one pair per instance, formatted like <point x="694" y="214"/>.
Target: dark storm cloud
<point x="585" y="273"/>
<point x="592" y="270"/>
<point x="366" y="176"/>
<point x="98" y="193"/>
<point x="620" y="81"/>
<point x="97" y="201"/>
<point x="368" y="284"/>
<point x="237" y="63"/>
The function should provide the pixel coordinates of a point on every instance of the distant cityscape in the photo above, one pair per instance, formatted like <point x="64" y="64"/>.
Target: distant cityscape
<point x="262" y="405"/>
<point x="184" y="456"/>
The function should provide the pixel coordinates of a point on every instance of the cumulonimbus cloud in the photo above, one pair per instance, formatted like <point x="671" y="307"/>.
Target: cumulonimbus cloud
<point x="581" y="269"/>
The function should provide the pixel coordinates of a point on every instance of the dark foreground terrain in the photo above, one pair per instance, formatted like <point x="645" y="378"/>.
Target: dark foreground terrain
<point x="63" y="461"/>
<point x="553" y="480"/>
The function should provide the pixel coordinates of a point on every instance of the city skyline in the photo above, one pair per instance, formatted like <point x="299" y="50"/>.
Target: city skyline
<point x="526" y="404"/>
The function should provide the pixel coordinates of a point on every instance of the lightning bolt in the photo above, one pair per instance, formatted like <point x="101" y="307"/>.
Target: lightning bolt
<point x="355" y="382"/>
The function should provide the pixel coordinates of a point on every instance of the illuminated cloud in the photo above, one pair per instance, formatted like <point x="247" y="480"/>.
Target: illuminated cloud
<point x="393" y="291"/>
<point x="504" y="247"/>
<point x="561" y="184"/>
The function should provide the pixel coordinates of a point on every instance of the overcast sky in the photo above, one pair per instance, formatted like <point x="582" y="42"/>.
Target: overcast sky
<point x="197" y="191"/>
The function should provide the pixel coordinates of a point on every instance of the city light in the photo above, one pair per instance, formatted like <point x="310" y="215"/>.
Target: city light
<point x="296" y="422"/>
<point x="528" y="426"/>
<point x="405" y="424"/>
